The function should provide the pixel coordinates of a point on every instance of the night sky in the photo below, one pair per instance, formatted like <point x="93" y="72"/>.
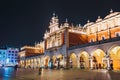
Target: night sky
<point x="23" y="22"/>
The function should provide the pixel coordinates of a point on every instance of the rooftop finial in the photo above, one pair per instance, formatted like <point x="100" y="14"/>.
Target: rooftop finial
<point x="88" y="21"/>
<point x="53" y="14"/>
<point x="66" y="20"/>
<point x="79" y="25"/>
<point x="98" y="17"/>
<point x="111" y="11"/>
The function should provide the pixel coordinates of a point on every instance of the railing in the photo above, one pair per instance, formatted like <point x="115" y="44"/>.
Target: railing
<point x="95" y="43"/>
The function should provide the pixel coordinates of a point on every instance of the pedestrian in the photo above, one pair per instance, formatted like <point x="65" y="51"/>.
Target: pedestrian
<point x="39" y="71"/>
<point x="111" y="66"/>
<point x="15" y="67"/>
<point x="100" y="66"/>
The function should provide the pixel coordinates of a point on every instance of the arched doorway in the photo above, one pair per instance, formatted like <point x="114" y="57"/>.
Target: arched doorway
<point x="60" y="60"/>
<point x="46" y="62"/>
<point x="97" y="59"/>
<point x="115" y="57"/>
<point x="84" y="60"/>
<point x="73" y="60"/>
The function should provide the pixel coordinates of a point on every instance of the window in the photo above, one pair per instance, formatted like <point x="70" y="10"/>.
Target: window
<point x="15" y="54"/>
<point x="91" y="40"/>
<point x="103" y="38"/>
<point x="12" y="54"/>
<point x="11" y="60"/>
<point x="3" y="52"/>
<point x="117" y="34"/>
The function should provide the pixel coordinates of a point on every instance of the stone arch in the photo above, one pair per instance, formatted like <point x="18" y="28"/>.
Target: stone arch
<point x="97" y="58"/>
<point x="46" y="62"/>
<point x="114" y="54"/>
<point x="73" y="60"/>
<point x="84" y="59"/>
<point x="108" y="51"/>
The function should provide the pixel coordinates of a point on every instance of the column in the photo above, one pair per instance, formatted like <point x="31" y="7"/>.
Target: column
<point x="78" y="62"/>
<point x="91" y="63"/>
<point x="64" y="62"/>
<point x="108" y="63"/>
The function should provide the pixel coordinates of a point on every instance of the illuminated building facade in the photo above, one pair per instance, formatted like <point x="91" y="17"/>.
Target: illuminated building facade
<point x="94" y="45"/>
<point x="2" y="57"/>
<point x="9" y="56"/>
<point x="30" y="56"/>
<point x="103" y="47"/>
<point x="12" y="56"/>
<point x="58" y="39"/>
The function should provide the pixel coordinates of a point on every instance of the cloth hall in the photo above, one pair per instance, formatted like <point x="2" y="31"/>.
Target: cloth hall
<point x="92" y="46"/>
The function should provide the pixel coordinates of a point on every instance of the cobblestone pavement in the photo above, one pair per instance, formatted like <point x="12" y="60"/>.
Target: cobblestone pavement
<point x="71" y="74"/>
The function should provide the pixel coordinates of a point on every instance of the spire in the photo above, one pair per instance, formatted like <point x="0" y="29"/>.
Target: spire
<point x="66" y="23"/>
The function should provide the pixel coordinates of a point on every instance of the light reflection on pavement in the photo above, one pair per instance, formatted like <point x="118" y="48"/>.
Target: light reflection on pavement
<point x="48" y="74"/>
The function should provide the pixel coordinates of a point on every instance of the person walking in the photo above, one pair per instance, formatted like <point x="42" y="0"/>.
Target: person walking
<point x="39" y="70"/>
